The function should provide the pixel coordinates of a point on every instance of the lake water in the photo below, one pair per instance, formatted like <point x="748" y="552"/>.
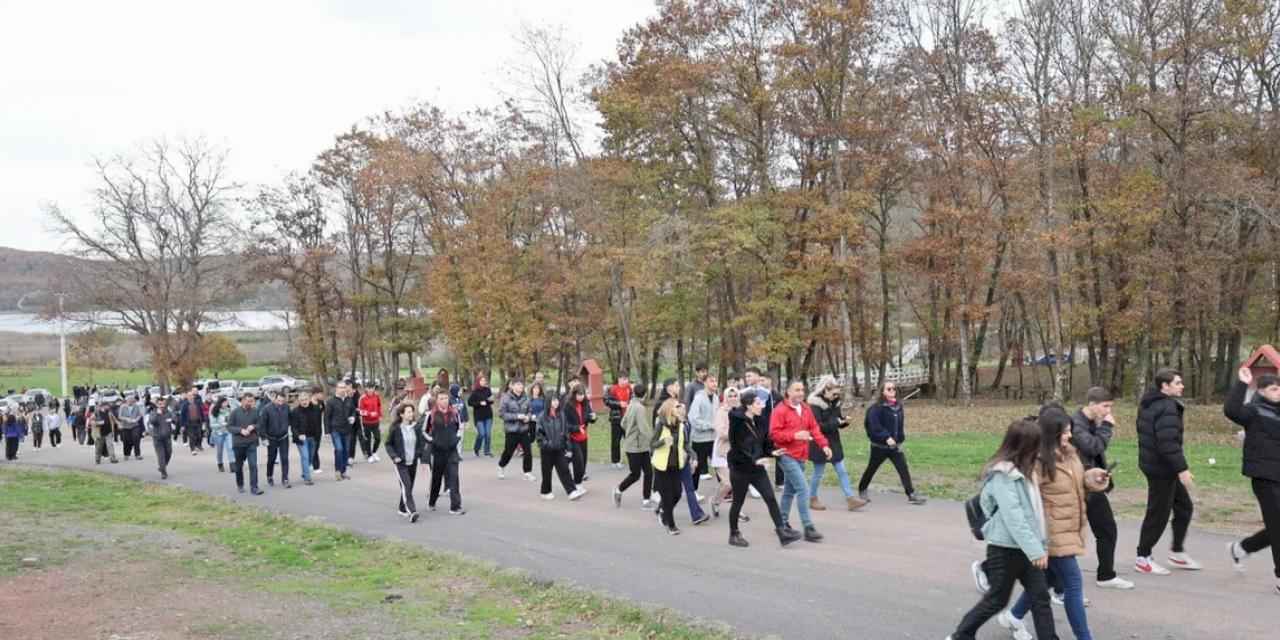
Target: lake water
<point x="227" y="321"/>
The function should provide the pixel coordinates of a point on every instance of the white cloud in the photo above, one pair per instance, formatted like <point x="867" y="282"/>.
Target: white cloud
<point x="272" y="81"/>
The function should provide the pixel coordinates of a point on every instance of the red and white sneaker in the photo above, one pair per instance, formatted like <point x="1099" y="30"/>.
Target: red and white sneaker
<point x="1183" y="561"/>
<point x="1149" y="567"/>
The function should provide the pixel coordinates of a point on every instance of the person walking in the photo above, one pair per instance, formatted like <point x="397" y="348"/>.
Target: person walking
<point x="695" y="386"/>
<point x="370" y="408"/>
<point x="637" y="436"/>
<point x="481" y="402"/>
<point x="748" y="461"/>
<point x="885" y="423"/>
<point x="791" y="428"/>
<point x="35" y="423"/>
<point x="537" y="404"/>
<point x="671" y="453"/>
<point x="306" y="422"/>
<point x="101" y="428"/>
<point x="617" y="398"/>
<point x="444" y="432"/>
<point x="1092" y="427"/>
<point x="825" y="404"/>
<point x="702" y="412"/>
<point x="243" y="424"/>
<point x="1014" y="532"/>
<point x="13" y="433"/>
<point x="517" y="420"/>
<point x="1169" y="480"/>
<point x="341" y="422"/>
<point x="53" y="421"/>
<point x="273" y="426"/>
<point x="407" y="448"/>
<point x="1260" y="419"/>
<point x="556" y="447"/>
<point x="130" y="417"/>
<point x="578" y="416"/>
<point x="1064" y="488"/>
<point x="218" y="432"/>
<point x="161" y="424"/>
<point x="720" y="451"/>
<point x="191" y="419"/>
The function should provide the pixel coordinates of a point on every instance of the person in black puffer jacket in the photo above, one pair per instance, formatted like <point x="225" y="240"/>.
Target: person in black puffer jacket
<point x="1161" y="460"/>
<point x="444" y="432"/>
<point x="825" y="402"/>
<point x="749" y="451"/>
<point x="1261" y="421"/>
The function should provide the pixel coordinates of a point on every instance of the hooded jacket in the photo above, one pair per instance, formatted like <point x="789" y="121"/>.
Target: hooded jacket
<point x="577" y="421"/>
<point x="702" y="415"/>
<point x="667" y="437"/>
<point x="370" y="407"/>
<point x="637" y="427"/>
<point x="614" y="398"/>
<point x="831" y="421"/>
<point x="1261" y="422"/>
<point x="445" y="433"/>
<point x="396" y="449"/>
<point x="746" y="442"/>
<point x="1064" y="506"/>
<point x="1091" y="440"/>
<point x="1014" y="510"/>
<point x="1160" y="435"/>
<point x="553" y="431"/>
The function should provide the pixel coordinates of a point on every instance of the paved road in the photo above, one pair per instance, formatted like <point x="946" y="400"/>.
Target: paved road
<point x="893" y="571"/>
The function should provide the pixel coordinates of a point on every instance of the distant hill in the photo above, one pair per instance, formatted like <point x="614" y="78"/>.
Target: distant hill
<point x="25" y="272"/>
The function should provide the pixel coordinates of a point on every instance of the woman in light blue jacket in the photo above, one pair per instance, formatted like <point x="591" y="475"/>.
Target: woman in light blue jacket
<point x="1014" y="531"/>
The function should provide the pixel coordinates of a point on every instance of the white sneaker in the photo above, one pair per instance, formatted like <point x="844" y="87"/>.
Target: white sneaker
<point x="1117" y="583"/>
<point x="548" y="496"/>
<point x="618" y="465"/>
<point x="1061" y="599"/>
<point x="1238" y="556"/>
<point x="530" y="477"/>
<point x="502" y="473"/>
<point x="701" y="498"/>
<point x="377" y="458"/>
<point x="1015" y="626"/>
<point x="706" y="477"/>
<point x="371" y="460"/>
<point x="1148" y="566"/>
<point x="646" y="505"/>
<point x="1184" y="562"/>
<point x="317" y="471"/>
<point x="754" y="494"/>
<point x="578" y="493"/>
<point x="979" y="577"/>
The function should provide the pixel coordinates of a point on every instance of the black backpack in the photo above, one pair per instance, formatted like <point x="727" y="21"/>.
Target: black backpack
<point x="977" y="518"/>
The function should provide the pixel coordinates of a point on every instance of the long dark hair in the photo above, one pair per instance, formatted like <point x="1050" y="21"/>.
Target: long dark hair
<point x="880" y="391"/>
<point x="1052" y="419"/>
<point x="537" y="386"/>
<point x="1021" y="447"/>
<point x="217" y="407"/>
<point x="399" y="414"/>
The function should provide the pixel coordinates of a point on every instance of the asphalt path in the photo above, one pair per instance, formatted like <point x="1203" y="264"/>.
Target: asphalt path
<point x="890" y="571"/>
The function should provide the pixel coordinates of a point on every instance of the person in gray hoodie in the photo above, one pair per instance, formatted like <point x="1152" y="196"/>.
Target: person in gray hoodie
<point x="161" y="424"/>
<point x="130" y="418"/>
<point x="273" y="426"/>
<point x="517" y="420"/>
<point x="702" y="434"/>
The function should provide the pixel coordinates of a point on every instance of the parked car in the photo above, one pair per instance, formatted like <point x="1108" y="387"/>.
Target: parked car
<point x="227" y="389"/>
<point x="250" y="386"/>
<point x="30" y="396"/>
<point x="108" y="395"/>
<point x="273" y="383"/>
<point x="1050" y="360"/>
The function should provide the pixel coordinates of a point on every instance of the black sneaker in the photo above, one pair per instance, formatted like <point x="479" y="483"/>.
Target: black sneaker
<point x="736" y="540"/>
<point x="286" y="484"/>
<point x="916" y="499"/>
<point x="457" y="512"/>
<point x="271" y="482"/>
<point x="811" y="534"/>
<point x="257" y="492"/>
<point x="413" y="517"/>
<point x="308" y="483"/>
<point x="220" y="468"/>
<point x="431" y="507"/>
<point x="787" y="535"/>
<point x="673" y="531"/>
<point x="240" y="489"/>
<point x="703" y="519"/>
<point x="164" y="475"/>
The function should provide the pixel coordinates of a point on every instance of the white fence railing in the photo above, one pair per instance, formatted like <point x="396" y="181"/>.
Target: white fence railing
<point x="910" y="375"/>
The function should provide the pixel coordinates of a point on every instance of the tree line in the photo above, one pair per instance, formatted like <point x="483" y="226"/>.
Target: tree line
<point x="804" y="185"/>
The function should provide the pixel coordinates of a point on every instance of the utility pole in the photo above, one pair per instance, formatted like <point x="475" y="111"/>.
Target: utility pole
<point x="62" y="343"/>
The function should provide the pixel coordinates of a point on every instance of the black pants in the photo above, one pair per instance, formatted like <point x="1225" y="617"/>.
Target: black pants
<point x="194" y="434"/>
<point x="444" y="468"/>
<point x="1164" y="495"/>
<point x="247" y="452"/>
<point x="703" y="451"/>
<point x="1004" y="567"/>
<point x="668" y="484"/>
<point x="407" y="474"/>
<point x="640" y="467"/>
<point x="510" y="442"/>
<point x="350" y="440"/>
<point x="370" y="437"/>
<point x="1103" y="523"/>
<point x="579" y="461"/>
<point x="315" y="455"/>
<point x="740" y="480"/>
<point x="1268" y="495"/>
<point x="131" y="446"/>
<point x="554" y="459"/>
<point x="55" y="437"/>
<point x="281" y="448"/>
<point x="164" y="453"/>
<point x="37" y="437"/>
<point x="615" y="441"/>
<point x="11" y="448"/>
<point x="899" y="460"/>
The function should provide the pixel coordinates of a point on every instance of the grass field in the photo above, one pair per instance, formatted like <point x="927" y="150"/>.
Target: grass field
<point x="20" y="377"/>
<point x="402" y="590"/>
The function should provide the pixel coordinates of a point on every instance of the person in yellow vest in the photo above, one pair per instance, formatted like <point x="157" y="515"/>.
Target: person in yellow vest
<point x="671" y="450"/>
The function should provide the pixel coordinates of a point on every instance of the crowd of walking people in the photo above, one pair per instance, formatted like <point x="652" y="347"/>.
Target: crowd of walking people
<point x="714" y="444"/>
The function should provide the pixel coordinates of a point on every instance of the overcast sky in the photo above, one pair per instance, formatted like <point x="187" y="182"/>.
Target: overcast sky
<point x="271" y="80"/>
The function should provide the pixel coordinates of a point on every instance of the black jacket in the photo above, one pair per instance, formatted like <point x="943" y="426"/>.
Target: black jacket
<point x="161" y="423"/>
<point x="307" y="421"/>
<point x="1261" y="422"/>
<point x="337" y="416"/>
<point x="273" y="421"/>
<point x="478" y="411"/>
<point x="615" y="406"/>
<point x="1160" y="435"/>
<point x="553" y="431"/>
<point x="747" y="443"/>
<point x="1091" y="440"/>
<point x="831" y="421"/>
<point x="574" y="421"/>
<point x="395" y="444"/>
<point x="444" y="433"/>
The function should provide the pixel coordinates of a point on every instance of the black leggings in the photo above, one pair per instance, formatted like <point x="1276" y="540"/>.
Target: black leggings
<point x="703" y="451"/>
<point x="1004" y="567"/>
<point x="370" y="437"/>
<point x="554" y="459"/>
<point x="668" y="484"/>
<point x="55" y="437"/>
<point x="579" y="461"/>
<point x="509" y="444"/>
<point x="640" y="466"/>
<point x="878" y="456"/>
<point x="740" y="480"/>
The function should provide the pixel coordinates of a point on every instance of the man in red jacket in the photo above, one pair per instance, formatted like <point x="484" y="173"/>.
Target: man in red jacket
<point x="370" y="435"/>
<point x="791" y="427"/>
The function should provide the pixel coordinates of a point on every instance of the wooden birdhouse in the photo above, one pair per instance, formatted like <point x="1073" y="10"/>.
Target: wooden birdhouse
<point x="1265" y="359"/>
<point x="592" y="377"/>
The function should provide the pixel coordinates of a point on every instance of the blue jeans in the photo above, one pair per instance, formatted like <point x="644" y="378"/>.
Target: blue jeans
<point x="221" y="443"/>
<point x="1065" y="571"/>
<point x="339" y="452"/>
<point x="820" y="467"/>
<point x="795" y="488"/>
<point x="484" y="436"/>
<point x="304" y="454"/>
<point x="690" y="495"/>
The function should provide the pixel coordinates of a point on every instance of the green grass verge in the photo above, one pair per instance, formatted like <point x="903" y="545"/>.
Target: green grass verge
<point x="437" y="591"/>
